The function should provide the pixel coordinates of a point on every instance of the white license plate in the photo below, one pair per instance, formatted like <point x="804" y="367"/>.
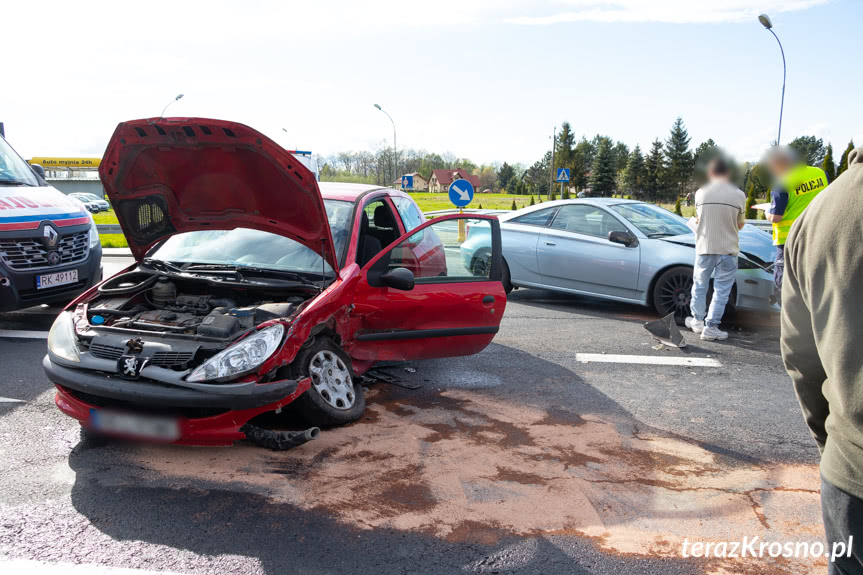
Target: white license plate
<point x="57" y="279"/>
<point x="133" y="425"/>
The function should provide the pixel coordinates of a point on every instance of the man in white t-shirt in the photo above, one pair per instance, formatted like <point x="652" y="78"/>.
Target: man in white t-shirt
<point x="720" y="209"/>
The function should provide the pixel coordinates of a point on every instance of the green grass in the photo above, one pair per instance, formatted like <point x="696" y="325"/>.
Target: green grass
<point x="113" y="241"/>
<point x="433" y="202"/>
<point x="104" y="218"/>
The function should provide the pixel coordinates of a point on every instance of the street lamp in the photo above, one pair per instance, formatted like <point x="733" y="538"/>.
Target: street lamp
<point x="395" y="151"/>
<point x="768" y="25"/>
<point x="162" y="115"/>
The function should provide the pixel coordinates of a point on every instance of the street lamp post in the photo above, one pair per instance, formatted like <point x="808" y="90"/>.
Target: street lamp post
<point x="551" y="172"/>
<point x="162" y="115"/>
<point x="768" y="25"/>
<point x="395" y="150"/>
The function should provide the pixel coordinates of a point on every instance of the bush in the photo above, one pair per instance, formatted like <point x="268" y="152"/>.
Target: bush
<point x="565" y="194"/>
<point x="677" y="207"/>
<point x="480" y="206"/>
<point x="532" y="203"/>
<point x="515" y="207"/>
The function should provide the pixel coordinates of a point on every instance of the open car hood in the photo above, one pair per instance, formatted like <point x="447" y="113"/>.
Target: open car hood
<point x="166" y="176"/>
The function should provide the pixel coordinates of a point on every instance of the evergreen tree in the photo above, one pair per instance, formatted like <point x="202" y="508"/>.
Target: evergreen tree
<point x="827" y="165"/>
<point x="620" y="155"/>
<point x="532" y="203"/>
<point x="809" y="148"/>
<point x="514" y="207"/>
<point x="565" y="147"/>
<point x="677" y="209"/>
<point x="504" y="175"/>
<point x="654" y="168"/>
<point x="750" y="201"/>
<point x="633" y="179"/>
<point x="843" y="163"/>
<point x="582" y="159"/>
<point x="678" y="158"/>
<point x="602" y="176"/>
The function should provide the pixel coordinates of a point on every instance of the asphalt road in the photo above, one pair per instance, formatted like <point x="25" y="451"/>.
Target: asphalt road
<point x="521" y="459"/>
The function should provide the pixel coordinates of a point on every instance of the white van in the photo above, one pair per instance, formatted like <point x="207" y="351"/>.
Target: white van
<point x="49" y="245"/>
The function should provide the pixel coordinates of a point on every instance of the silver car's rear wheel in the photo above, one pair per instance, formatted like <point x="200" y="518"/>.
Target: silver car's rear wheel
<point x="331" y="378"/>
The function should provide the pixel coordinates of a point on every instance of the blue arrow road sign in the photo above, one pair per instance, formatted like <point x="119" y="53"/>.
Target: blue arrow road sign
<point x="460" y="193"/>
<point x="563" y="174"/>
<point x="407" y="182"/>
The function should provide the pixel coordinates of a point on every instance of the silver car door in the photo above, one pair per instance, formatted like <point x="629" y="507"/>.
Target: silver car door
<point x="520" y="236"/>
<point x="575" y="253"/>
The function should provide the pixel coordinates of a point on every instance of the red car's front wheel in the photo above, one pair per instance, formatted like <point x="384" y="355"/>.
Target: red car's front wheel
<point x="335" y="397"/>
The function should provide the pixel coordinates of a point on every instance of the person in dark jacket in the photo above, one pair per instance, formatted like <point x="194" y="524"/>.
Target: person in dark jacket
<point x="822" y="347"/>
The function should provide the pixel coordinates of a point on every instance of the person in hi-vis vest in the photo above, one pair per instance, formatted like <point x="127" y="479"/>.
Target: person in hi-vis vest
<point x="795" y="185"/>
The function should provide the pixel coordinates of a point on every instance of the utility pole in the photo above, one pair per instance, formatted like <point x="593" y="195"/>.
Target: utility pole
<point x="551" y="168"/>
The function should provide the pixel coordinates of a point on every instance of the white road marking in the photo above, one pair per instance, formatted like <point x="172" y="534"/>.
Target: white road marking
<point x="646" y="359"/>
<point x="11" y="400"/>
<point x="33" y="567"/>
<point x="23" y="333"/>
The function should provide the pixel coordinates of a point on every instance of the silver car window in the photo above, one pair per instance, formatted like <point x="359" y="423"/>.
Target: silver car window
<point x="588" y="220"/>
<point x="537" y="218"/>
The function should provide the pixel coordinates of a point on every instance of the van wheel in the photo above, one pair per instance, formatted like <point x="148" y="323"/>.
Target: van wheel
<point x="335" y="397"/>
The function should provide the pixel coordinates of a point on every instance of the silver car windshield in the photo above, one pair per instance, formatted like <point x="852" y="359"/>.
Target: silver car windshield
<point x="13" y="170"/>
<point x="652" y="221"/>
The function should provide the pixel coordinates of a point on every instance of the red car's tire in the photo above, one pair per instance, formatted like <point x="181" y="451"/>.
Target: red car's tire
<point x="335" y="396"/>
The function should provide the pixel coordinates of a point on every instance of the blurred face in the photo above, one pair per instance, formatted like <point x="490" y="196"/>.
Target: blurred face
<point x="778" y="166"/>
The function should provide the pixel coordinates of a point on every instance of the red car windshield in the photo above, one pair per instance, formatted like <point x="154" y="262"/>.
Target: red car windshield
<point x="257" y="248"/>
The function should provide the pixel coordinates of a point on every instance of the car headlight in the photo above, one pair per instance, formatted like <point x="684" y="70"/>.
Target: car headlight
<point x="242" y="357"/>
<point x="94" y="232"/>
<point x="61" y="338"/>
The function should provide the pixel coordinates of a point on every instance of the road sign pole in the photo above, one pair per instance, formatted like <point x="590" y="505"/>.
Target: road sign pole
<point x="561" y="190"/>
<point x="462" y="229"/>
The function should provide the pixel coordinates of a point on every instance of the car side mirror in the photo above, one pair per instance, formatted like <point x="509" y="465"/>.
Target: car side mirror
<point x="38" y="170"/>
<point x="398" y="278"/>
<point x="624" y="238"/>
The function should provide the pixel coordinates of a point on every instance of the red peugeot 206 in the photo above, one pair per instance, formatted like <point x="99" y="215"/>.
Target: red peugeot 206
<point x="255" y="287"/>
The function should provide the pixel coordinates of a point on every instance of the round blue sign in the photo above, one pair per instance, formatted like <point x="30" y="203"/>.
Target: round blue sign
<point x="460" y="193"/>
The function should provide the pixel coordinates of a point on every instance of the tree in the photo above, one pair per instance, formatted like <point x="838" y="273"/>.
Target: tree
<point x="677" y="209"/>
<point x="678" y="158"/>
<point x="532" y="203"/>
<point x="620" y="156"/>
<point x="704" y="150"/>
<point x="603" y="172"/>
<point x="654" y="169"/>
<point x="565" y="146"/>
<point x="843" y="163"/>
<point x="809" y="148"/>
<point x="514" y="207"/>
<point x="582" y="159"/>
<point x="634" y="176"/>
<point x="750" y="201"/>
<point x="827" y="164"/>
<point x="504" y="175"/>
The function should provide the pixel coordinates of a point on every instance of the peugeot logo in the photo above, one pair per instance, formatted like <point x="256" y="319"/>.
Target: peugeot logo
<point x="50" y="236"/>
<point x="53" y="258"/>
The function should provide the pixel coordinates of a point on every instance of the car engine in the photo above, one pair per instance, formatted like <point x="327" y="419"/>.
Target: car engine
<point x="154" y="303"/>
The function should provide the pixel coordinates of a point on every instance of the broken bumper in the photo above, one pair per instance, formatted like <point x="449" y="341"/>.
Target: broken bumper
<point x="203" y="419"/>
<point x="140" y="392"/>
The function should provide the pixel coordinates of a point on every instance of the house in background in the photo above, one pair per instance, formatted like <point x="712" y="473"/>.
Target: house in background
<point x="420" y="183"/>
<point x="441" y="179"/>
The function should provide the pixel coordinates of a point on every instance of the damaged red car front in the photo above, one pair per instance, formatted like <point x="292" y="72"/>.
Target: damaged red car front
<point x="240" y="301"/>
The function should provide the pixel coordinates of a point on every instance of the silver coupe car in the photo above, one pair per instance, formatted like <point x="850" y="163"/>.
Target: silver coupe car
<point x="616" y="249"/>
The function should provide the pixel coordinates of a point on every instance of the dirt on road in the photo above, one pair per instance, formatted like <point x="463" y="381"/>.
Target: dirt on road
<point x="463" y="465"/>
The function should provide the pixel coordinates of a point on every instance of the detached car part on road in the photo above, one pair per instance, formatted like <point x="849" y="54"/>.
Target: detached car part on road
<point x="255" y="287"/>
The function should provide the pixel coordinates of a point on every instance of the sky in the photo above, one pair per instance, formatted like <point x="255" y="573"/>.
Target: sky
<point x="483" y="79"/>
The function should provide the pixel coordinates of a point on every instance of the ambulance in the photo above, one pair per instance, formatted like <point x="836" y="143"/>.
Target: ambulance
<point x="49" y="245"/>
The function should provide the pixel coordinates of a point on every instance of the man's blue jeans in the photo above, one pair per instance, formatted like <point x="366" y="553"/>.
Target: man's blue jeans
<point x="724" y="271"/>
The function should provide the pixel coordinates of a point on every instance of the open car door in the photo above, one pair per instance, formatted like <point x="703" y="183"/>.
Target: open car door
<point x="434" y="292"/>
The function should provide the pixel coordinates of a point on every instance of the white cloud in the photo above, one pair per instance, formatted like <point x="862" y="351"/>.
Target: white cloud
<point x="669" y="11"/>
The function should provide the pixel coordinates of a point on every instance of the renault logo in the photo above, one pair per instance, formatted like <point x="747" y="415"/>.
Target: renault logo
<point x="50" y="236"/>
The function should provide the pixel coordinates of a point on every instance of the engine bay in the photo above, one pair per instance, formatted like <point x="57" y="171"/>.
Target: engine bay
<point x="151" y="302"/>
